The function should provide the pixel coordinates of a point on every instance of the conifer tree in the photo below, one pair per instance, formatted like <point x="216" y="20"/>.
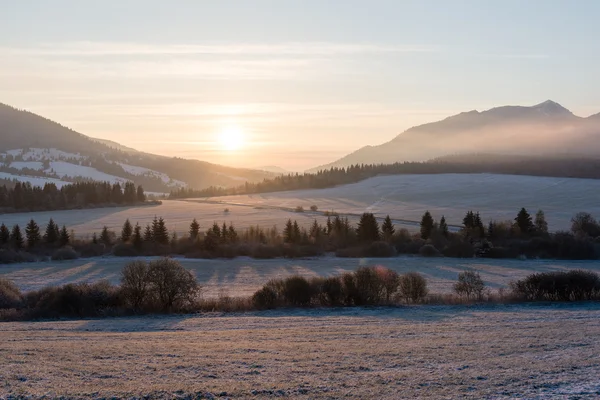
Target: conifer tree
<point x="148" y="237"/>
<point x="160" y="233"/>
<point x="296" y="234"/>
<point x="64" y="239"/>
<point x="105" y="236"/>
<point x="94" y="238"/>
<point x="4" y="235"/>
<point x="443" y="227"/>
<point x="16" y="237"/>
<point x="137" y="239"/>
<point x="427" y="225"/>
<point x="224" y="234"/>
<point x="194" y="229"/>
<point x="288" y="232"/>
<point x="387" y="228"/>
<point x="541" y="226"/>
<point x="51" y="235"/>
<point x="368" y="228"/>
<point x="32" y="232"/>
<point x="232" y="234"/>
<point x="126" y="231"/>
<point x="524" y="222"/>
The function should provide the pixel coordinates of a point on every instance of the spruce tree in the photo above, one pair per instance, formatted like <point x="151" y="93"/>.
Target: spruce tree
<point x="427" y="225"/>
<point x="105" y="236"/>
<point x="315" y="231"/>
<point x="194" y="229"/>
<point x="296" y="234"/>
<point x="16" y="237"/>
<point x="541" y="226"/>
<point x="224" y="234"/>
<point x="443" y="227"/>
<point x="524" y="222"/>
<point x="4" y="235"/>
<point x="126" y="231"/>
<point x="64" y="239"/>
<point x="232" y="234"/>
<point x="137" y="239"/>
<point x="368" y="228"/>
<point x="387" y="228"/>
<point x="160" y="233"/>
<point x="32" y="232"/>
<point x="94" y="238"/>
<point x="141" y="196"/>
<point x="51" y="235"/>
<point x="288" y="232"/>
<point x="148" y="237"/>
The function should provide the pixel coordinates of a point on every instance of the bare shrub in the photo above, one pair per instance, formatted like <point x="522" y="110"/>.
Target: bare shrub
<point x="332" y="290"/>
<point x="74" y="300"/>
<point x="10" y="295"/>
<point x="135" y="283"/>
<point x="390" y="281"/>
<point x="265" y="298"/>
<point x="173" y="285"/>
<point x="124" y="250"/>
<point x="296" y="291"/>
<point x="314" y="208"/>
<point x="573" y="285"/>
<point x="65" y="253"/>
<point x="412" y="287"/>
<point x="369" y="287"/>
<point x="429" y="250"/>
<point x="469" y="284"/>
<point x="264" y="251"/>
<point x="299" y="209"/>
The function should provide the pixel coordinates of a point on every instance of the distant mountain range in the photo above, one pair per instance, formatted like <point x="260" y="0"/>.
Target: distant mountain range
<point x="543" y="129"/>
<point x="38" y="150"/>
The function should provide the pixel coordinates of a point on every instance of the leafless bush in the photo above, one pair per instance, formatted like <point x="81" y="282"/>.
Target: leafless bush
<point x="65" y="253"/>
<point x="135" y="283"/>
<point x="470" y="285"/>
<point x="10" y="295"/>
<point x="173" y="285"/>
<point x="412" y="287"/>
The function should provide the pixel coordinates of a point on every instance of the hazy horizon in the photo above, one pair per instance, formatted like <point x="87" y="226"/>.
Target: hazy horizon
<point x="293" y="84"/>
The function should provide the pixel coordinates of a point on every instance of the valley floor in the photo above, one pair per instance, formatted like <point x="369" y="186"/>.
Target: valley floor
<point x="439" y="352"/>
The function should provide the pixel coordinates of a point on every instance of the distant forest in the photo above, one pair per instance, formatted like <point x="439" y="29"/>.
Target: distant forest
<point x="25" y="197"/>
<point x="568" y="167"/>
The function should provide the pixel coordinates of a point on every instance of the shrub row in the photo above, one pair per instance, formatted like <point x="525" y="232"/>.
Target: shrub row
<point x="366" y="286"/>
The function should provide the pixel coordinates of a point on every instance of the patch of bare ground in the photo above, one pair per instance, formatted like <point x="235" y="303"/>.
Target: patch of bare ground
<point x="507" y="351"/>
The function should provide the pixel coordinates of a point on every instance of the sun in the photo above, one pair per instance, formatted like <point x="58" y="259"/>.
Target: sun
<point x="231" y="138"/>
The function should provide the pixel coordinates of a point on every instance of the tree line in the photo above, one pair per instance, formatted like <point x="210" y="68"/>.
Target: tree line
<point x="526" y="235"/>
<point x="26" y="197"/>
<point x="535" y="166"/>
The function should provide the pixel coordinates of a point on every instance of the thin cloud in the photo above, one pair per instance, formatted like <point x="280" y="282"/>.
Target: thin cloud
<point x="92" y="49"/>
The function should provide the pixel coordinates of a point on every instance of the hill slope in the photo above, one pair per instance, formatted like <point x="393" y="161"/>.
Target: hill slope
<point x="39" y="150"/>
<point x="544" y="129"/>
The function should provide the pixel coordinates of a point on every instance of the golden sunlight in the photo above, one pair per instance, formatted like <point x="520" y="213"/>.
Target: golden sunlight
<point x="231" y="138"/>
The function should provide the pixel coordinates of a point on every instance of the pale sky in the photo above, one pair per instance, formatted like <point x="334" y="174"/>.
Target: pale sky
<point x="303" y="82"/>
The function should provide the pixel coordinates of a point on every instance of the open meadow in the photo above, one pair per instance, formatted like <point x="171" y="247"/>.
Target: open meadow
<point x="404" y="197"/>
<point x="242" y="276"/>
<point x="442" y="352"/>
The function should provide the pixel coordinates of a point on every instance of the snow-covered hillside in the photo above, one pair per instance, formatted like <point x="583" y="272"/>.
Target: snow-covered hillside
<point x="39" y="166"/>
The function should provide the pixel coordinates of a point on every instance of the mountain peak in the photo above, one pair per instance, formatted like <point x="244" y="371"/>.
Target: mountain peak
<point x="550" y="107"/>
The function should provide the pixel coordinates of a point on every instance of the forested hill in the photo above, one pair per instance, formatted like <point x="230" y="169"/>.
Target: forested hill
<point x="567" y="167"/>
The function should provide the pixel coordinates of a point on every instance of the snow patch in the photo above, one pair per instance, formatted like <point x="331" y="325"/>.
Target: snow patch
<point x="37" y="165"/>
<point x="34" y="180"/>
<point x="141" y="171"/>
<point x="39" y="154"/>
<point x="65" y="169"/>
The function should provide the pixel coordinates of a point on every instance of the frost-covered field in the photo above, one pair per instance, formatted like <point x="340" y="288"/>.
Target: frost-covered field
<point x="177" y="214"/>
<point x="404" y="197"/>
<point x="243" y="276"/>
<point x="500" y="352"/>
<point x="408" y="196"/>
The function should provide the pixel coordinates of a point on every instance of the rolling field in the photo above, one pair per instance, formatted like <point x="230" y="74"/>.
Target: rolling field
<point x="500" y="352"/>
<point x="404" y="197"/>
<point x="243" y="276"/>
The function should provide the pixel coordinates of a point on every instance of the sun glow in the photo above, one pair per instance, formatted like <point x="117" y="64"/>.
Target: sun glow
<point x="231" y="138"/>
